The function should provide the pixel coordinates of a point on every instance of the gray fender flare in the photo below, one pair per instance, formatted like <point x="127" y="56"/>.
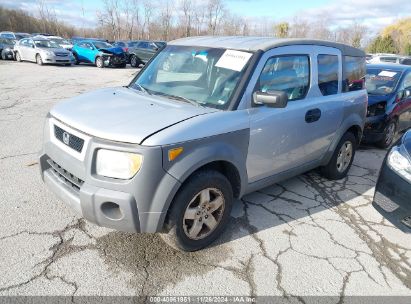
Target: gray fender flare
<point x="230" y="147"/>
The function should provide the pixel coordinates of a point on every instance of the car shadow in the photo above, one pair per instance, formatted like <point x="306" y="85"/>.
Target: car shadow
<point x="303" y="196"/>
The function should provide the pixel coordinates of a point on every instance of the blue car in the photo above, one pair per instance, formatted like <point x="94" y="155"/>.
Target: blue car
<point x="100" y="53"/>
<point x="389" y="102"/>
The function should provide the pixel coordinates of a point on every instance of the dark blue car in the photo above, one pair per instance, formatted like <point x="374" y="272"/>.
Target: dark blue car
<point x="389" y="102"/>
<point x="100" y="53"/>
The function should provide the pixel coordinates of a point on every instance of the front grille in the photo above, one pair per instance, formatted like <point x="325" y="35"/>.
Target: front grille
<point x="65" y="176"/>
<point x="74" y="142"/>
<point x="61" y="54"/>
<point x="63" y="61"/>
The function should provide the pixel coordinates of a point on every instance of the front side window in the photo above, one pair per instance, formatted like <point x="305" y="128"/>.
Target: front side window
<point x="381" y="81"/>
<point x="328" y="74"/>
<point x="46" y="44"/>
<point x="289" y="74"/>
<point x="102" y="45"/>
<point x="354" y="73"/>
<point x="199" y="75"/>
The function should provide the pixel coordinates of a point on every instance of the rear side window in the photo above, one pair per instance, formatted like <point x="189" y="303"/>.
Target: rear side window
<point x="328" y="74"/>
<point x="354" y="73"/>
<point x="290" y="74"/>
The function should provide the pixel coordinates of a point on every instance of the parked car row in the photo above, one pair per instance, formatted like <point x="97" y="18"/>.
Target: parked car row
<point x="388" y="58"/>
<point x="44" y="48"/>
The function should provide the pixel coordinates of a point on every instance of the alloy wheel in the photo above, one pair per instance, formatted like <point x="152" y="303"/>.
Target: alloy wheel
<point x="389" y="135"/>
<point x="344" y="156"/>
<point x="204" y="213"/>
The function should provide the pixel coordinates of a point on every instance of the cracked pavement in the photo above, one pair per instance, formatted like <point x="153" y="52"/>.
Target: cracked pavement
<point x="306" y="236"/>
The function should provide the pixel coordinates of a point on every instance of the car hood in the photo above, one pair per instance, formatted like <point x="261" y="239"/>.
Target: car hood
<point x="373" y="99"/>
<point x="122" y="114"/>
<point x="58" y="50"/>
<point x="113" y="50"/>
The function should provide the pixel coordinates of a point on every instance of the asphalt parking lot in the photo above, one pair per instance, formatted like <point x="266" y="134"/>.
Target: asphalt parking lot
<point x="302" y="237"/>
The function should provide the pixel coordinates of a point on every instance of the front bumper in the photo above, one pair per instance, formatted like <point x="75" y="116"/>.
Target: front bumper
<point x="135" y="205"/>
<point x="115" y="60"/>
<point x="392" y="197"/>
<point x="374" y="129"/>
<point x="53" y="59"/>
<point x="8" y="54"/>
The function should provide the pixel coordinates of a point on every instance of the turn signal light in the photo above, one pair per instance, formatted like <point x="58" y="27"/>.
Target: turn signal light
<point x="174" y="153"/>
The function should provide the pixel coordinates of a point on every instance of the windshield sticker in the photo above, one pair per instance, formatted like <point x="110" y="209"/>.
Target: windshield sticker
<point x="233" y="60"/>
<point x="387" y="73"/>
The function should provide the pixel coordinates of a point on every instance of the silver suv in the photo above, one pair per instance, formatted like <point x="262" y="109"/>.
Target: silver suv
<point x="174" y="150"/>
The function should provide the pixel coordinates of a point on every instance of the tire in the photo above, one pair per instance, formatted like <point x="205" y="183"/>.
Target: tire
<point x="76" y="61"/>
<point x="3" y="56"/>
<point x="390" y="132"/>
<point x="191" y="231"/>
<point x="39" y="61"/>
<point x="135" y="61"/>
<point x="99" y="62"/>
<point x="340" y="164"/>
<point x="18" y="57"/>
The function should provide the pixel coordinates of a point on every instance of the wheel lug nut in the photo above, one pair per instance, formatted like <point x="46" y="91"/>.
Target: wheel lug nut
<point x="206" y="216"/>
<point x="200" y="219"/>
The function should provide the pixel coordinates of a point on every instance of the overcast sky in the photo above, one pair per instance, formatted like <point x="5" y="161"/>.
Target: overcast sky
<point x="375" y="14"/>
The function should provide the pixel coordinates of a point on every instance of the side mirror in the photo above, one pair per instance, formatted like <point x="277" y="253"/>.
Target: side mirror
<point x="271" y="98"/>
<point x="407" y="93"/>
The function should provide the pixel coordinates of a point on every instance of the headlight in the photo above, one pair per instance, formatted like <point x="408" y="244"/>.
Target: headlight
<point x="376" y="109"/>
<point x="398" y="160"/>
<point x="48" y="53"/>
<point x="115" y="164"/>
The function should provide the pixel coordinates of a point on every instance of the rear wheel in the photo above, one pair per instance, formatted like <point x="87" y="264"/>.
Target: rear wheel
<point x="390" y="132"/>
<point x="200" y="211"/>
<point x="3" y="56"/>
<point x="39" y="60"/>
<point x="18" y="57"/>
<point x="340" y="162"/>
<point x="99" y="62"/>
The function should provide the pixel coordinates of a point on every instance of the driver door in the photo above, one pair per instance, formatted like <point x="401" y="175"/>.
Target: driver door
<point x="282" y="139"/>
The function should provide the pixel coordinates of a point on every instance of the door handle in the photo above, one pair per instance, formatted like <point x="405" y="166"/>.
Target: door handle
<point x="312" y="115"/>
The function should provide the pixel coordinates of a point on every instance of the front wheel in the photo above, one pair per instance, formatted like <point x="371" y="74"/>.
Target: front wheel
<point x="39" y="60"/>
<point x="200" y="211"/>
<point x="76" y="61"/>
<point x="99" y="62"/>
<point x="18" y="57"/>
<point x="390" y="132"/>
<point x="340" y="162"/>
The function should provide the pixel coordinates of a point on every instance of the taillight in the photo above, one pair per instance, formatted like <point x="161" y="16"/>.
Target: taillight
<point x="125" y="49"/>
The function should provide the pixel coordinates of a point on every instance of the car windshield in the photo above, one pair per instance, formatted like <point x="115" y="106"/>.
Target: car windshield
<point x="8" y="41"/>
<point x="21" y="36"/>
<point x="46" y="44"/>
<point x="102" y="45"/>
<point x="132" y="43"/>
<point x="8" y="35"/>
<point x="60" y="41"/>
<point x="198" y="75"/>
<point x="381" y="81"/>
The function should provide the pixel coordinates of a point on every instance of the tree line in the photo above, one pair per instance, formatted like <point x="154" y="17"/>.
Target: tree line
<point x="171" y="19"/>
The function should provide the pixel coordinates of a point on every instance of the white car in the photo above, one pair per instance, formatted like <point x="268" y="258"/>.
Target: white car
<point x="42" y="51"/>
<point x="385" y="58"/>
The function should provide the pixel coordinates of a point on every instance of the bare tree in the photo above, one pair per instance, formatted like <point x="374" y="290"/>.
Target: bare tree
<point x="166" y="16"/>
<point x="187" y="7"/>
<point x="215" y="11"/>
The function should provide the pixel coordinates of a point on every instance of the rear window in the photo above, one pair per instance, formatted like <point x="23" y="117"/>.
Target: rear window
<point x="388" y="59"/>
<point x="354" y="73"/>
<point x="328" y="74"/>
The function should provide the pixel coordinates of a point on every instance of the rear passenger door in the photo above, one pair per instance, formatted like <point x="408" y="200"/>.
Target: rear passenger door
<point x="299" y="134"/>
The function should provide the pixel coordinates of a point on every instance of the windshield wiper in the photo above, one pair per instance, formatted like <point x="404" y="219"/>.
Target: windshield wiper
<point x="142" y="89"/>
<point x="176" y="97"/>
